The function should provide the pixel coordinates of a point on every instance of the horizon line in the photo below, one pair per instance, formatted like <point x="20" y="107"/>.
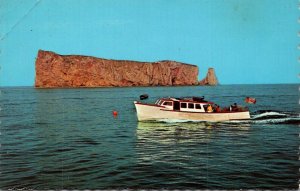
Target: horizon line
<point x="149" y="86"/>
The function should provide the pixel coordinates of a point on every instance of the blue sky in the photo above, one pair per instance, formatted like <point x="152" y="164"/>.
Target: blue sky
<point x="246" y="41"/>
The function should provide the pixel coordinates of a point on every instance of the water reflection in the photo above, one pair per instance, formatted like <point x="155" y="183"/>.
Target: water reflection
<point x="171" y="142"/>
<point x="171" y="133"/>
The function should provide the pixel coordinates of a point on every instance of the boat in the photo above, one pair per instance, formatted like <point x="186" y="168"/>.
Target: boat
<point x="188" y="109"/>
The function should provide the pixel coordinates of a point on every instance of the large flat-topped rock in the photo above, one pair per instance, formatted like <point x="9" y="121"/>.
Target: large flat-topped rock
<point x="54" y="70"/>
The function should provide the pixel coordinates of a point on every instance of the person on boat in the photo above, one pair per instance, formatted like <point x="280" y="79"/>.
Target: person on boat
<point x="233" y="107"/>
<point x="218" y="109"/>
<point x="209" y="108"/>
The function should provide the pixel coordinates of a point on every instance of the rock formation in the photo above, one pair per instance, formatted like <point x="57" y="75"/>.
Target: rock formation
<point x="53" y="70"/>
<point x="210" y="79"/>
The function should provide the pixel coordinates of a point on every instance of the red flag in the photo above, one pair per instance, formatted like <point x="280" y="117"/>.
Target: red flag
<point x="250" y="100"/>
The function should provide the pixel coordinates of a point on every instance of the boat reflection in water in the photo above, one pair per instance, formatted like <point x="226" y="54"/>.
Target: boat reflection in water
<point x="185" y="144"/>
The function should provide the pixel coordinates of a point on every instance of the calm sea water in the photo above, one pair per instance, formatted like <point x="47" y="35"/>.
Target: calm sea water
<point x="69" y="139"/>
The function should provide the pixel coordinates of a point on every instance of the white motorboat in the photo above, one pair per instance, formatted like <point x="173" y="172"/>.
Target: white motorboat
<point x="189" y="109"/>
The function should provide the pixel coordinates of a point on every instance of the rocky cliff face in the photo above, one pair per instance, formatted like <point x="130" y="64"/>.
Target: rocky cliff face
<point x="53" y="70"/>
<point x="210" y="79"/>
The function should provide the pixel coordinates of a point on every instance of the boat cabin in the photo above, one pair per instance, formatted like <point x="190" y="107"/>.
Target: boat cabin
<point x="194" y="104"/>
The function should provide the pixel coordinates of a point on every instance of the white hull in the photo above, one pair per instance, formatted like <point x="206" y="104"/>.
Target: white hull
<point x="146" y="112"/>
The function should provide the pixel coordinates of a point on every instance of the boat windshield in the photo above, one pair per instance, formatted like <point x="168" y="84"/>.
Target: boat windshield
<point x="160" y="102"/>
<point x="157" y="101"/>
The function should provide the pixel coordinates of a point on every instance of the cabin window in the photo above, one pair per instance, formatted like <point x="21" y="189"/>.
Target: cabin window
<point x="160" y="102"/>
<point x="191" y="106"/>
<point x="168" y="103"/>
<point x="197" y="106"/>
<point x="183" y="105"/>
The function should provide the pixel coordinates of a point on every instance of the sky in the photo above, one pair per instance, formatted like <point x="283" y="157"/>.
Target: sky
<point x="245" y="41"/>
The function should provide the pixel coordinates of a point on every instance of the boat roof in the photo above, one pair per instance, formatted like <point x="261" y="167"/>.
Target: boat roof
<point x="188" y="99"/>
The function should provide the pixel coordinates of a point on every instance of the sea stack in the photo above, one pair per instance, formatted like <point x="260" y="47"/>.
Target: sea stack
<point x="210" y="79"/>
<point x="54" y="70"/>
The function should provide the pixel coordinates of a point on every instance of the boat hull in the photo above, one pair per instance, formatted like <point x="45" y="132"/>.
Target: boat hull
<point x="146" y="112"/>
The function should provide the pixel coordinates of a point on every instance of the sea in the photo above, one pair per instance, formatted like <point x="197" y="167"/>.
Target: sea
<point x="54" y="139"/>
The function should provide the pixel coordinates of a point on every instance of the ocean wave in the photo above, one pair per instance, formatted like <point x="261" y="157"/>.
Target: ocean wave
<point x="289" y="120"/>
<point x="275" y="117"/>
<point x="269" y="114"/>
